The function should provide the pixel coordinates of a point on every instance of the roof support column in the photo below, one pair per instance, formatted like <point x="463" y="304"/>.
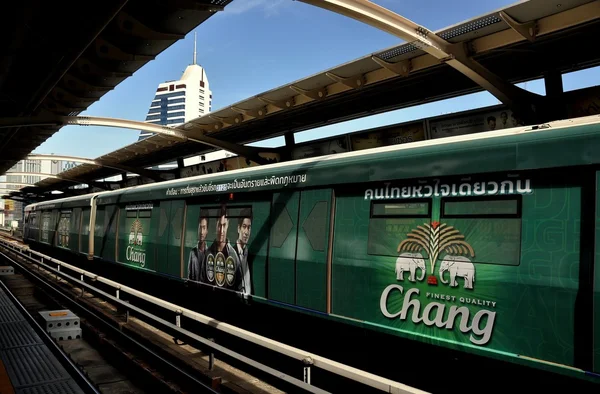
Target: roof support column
<point x="290" y="143"/>
<point x="554" y="92"/>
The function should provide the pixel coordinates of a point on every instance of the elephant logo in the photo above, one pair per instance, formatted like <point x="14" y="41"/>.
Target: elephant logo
<point x="409" y="262"/>
<point x="433" y="239"/>
<point x="458" y="266"/>
<point x="135" y="233"/>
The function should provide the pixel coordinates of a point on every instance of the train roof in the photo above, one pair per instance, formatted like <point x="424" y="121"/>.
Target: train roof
<point x="561" y="143"/>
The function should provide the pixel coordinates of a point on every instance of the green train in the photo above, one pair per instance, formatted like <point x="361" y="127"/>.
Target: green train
<point x="486" y="243"/>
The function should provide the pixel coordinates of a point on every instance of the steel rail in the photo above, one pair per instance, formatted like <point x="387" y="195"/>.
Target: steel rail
<point x="354" y="374"/>
<point x="94" y="316"/>
<point x="84" y="383"/>
<point x="172" y="328"/>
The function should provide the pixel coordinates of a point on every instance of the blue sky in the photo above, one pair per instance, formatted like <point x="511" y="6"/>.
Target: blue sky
<point x="257" y="45"/>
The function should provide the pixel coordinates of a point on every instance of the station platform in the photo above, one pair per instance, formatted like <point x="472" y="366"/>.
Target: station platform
<point x="27" y="364"/>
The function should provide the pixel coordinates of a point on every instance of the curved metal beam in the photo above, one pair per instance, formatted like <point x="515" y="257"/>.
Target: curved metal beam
<point x="455" y="55"/>
<point x="16" y="184"/>
<point x="20" y="173"/>
<point x="248" y="152"/>
<point x="99" y="185"/>
<point x="36" y="156"/>
<point x="100" y="163"/>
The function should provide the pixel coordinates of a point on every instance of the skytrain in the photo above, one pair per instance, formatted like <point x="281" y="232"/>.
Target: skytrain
<point x="484" y="243"/>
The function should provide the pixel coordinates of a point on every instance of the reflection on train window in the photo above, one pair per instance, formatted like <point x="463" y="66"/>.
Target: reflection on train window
<point x="391" y="221"/>
<point x="490" y="229"/>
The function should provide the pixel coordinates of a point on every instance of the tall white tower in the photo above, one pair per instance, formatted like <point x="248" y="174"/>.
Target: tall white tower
<point x="177" y="102"/>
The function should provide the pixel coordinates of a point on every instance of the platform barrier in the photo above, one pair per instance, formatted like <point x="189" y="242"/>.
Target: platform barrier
<point x="307" y="359"/>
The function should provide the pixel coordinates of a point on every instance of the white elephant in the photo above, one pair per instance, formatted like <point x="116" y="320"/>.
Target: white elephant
<point x="458" y="266"/>
<point x="409" y="262"/>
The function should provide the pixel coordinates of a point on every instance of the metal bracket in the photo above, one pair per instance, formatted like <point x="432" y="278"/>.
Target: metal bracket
<point x="315" y="94"/>
<point x="401" y="68"/>
<point x="527" y="30"/>
<point x="234" y="120"/>
<point x="354" y="82"/>
<point x="255" y="113"/>
<point x="282" y="104"/>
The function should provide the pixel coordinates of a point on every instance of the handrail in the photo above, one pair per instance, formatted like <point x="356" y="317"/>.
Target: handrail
<point x="355" y="374"/>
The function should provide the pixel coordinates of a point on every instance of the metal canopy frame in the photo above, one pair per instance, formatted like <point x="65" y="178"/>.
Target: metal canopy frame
<point x="81" y="58"/>
<point x="456" y="55"/>
<point x="396" y="77"/>
<point x="248" y="152"/>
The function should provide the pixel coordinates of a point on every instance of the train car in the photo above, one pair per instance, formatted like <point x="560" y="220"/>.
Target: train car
<point x="484" y="243"/>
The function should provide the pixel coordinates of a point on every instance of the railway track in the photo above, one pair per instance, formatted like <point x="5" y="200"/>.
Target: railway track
<point x="145" y="333"/>
<point x="151" y="358"/>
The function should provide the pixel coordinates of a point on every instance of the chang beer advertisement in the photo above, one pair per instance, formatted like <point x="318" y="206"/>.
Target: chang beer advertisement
<point x="137" y="231"/>
<point x="438" y="254"/>
<point x="64" y="227"/>
<point x="45" y="236"/>
<point x="446" y="259"/>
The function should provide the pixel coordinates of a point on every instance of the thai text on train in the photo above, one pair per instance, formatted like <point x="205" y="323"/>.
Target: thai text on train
<point x="483" y="188"/>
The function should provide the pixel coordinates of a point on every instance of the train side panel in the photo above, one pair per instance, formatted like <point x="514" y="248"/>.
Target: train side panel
<point x="482" y="263"/>
<point x="596" y="310"/>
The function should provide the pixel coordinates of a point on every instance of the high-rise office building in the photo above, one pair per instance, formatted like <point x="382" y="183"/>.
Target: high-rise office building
<point x="177" y="102"/>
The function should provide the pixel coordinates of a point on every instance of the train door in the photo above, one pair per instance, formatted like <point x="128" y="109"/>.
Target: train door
<point x="168" y="238"/>
<point x="85" y="231"/>
<point x="109" y="241"/>
<point x="596" y="283"/>
<point x="74" y="229"/>
<point x="298" y="248"/>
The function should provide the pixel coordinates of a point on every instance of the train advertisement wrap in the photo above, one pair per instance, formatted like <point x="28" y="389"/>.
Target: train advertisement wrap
<point x="221" y="245"/>
<point x="137" y="228"/>
<point x="499" y="272"/>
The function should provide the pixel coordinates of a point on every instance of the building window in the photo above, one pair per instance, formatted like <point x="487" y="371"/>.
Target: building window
<point x="164" y="88"/>
<point x="182" y="86"/>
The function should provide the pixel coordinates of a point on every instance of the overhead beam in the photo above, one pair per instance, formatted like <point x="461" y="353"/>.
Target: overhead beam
<point x="248" y="152"/>
<point x="100" y="185"/>
<point x="41" y="175"/>
<point x="525" y="103"/>
<point x="100" y="163"/>
<point x="16" y="184"/>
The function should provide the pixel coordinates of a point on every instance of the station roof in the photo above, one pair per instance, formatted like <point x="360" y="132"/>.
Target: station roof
<point x="58" y="58"/>
<point x="393" y="78"/>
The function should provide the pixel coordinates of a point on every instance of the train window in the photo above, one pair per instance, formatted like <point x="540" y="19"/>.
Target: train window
<point x="46" y="227"/>
<point x="64" y="226"/>
<point x="481" y="208"/>
<point x="400" y="209"/>
<point x="490" y="226"/>
<point x="391" y="221"/>
<point x="145" y="214"/>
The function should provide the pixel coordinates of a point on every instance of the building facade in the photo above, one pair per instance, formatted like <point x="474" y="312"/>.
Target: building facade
<point x="13" y="209"/>
<point x="177" y="102"/>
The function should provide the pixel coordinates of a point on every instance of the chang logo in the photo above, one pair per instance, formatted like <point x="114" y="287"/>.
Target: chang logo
<point x="445" y="311"/>
<point x="63" y="232"/>
<point x="220" y="269"/>
<point x="135" y="252"/>
<point x="434" y="238"/>
<point x="210" y="268"/>
<point x="230" y="271"/>
<point x="135" y="234"/>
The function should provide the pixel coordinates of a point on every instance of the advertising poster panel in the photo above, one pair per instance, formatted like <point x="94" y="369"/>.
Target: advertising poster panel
<point x="390" y="136"/>
<point x="137" y="229"/>
<point x="228" y="164"/>
<point x="331" y="146"/>
<point x="473" y="123"/>
<point x="225" y="247"/>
